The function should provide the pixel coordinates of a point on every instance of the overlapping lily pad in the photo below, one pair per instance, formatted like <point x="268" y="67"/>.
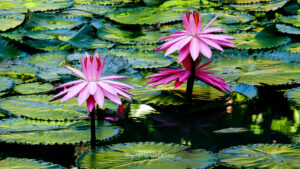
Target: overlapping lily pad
<point x="291" y="20"/>
<point x="294" y="48"/>
<point x="27" y="164"/>
<point x="114" y="3"/>
<point x="146" y="155"/>
<point x="242" y="1"/>
<point x="261" y="156"/>
<point x="5" y="83"/>
<point x="32" y="88"/>
<point x="10" y="20"/>
<point x="34" y="132"/>
<point x="261" y="7"/>
<point x="144" y="16"/>
<point x="294" y="95"/>
<point x="38" y="5"/>
<point x="46" y="60"/>
<point x="288" y="29"/>
<point x="259" y="40"/>
<point x="256" y="69"/>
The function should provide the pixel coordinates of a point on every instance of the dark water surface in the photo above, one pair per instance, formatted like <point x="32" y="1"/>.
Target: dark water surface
<point x="270" y="119"/>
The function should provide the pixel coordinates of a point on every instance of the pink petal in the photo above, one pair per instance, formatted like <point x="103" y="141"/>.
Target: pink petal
<point x="195" y="47"/>
<point x="69" y="84"/>
<point x="77" y="72"/>
<point x="83" y="66"/>
<point x="123" y="94"/>
<point x="211" y="30"/>
<point x="184" y="52"/>
<point x="225" y="44"/>
<point x="92" y="87"/>
<point x="101" y="68"/>
<point x="122" y="85"/>
<point x="192" y="25"/>
<point x="112" y="97"/>
<point x="172" y="78"/>
<point x="204" y="49"/>
<point x="113" y="77"/>
<point x="199" y="26"/>
<point x="210" y="23"/>
<point x="90" y="103"/>
<point x="73" y="91"/>
<point x="205" y="64"/>
<point x="59" y="95"/>
<point x="83" y="95"/>
<point x="99" y="97"/>
<point x="177" y="84"/>
<point x="107" y="87"/>
<point x="89" y="69"/>
<point x="185" y="76"/>
<point x="169" y="43"/>
<point x="215" y="37"/>
<point x="212" y="44"/>
<point x="171" y="36"/>
<point x="186" y="23"/>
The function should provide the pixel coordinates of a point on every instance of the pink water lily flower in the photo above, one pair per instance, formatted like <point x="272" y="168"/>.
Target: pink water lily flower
<point x="194" y="39"/>
<point x="93" y="88"/>
<point x="182" y="75"/>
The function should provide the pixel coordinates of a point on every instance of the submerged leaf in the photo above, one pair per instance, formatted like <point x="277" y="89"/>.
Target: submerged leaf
<point x="25" y="163"/>
<point x="146" y="155"/>
<point x="294" y="48"/>
<point x="294" y="95"/>
<point x="231" y="130"/>
<point x="262" y="156"/>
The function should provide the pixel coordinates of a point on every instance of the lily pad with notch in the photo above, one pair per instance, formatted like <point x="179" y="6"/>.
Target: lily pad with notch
<point x="27" y="163"/>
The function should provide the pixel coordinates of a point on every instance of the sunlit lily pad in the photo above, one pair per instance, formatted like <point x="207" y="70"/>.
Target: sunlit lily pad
<point x="5" y="83"/>
<point x="27" y="164"/>
<point x="261" y="7"/>
<point x="142" y="60"/>
<point x="38" y="5"/>
<point x="146" y="155"/>
<point x="294" y="95"/>
<point x="9" y="20"/>
<point x="288" y="29"/>
<point x="144" y="16"/>
<point x="114" y="34"/>
<point x="294" y="48"/>
<point x="258" y="40"/>
<point x="31" y="88"/>
<point x="261" y="156"/>
<point x="90" y="8"/>
<point x="115" y="3"/>
<point x="18" y="70"/>
<point x="231" y="130"/>
<point x="242" y="1"/>
<point x="291" y="20"/>
<point x="46" y="60"/>
<point x="256" y="69"/>
<point x="25" y="131"/>
<point x="244" y="92"/>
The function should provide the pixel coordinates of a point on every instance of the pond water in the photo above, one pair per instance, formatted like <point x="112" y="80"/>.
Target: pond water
<point x="37" y="38"/>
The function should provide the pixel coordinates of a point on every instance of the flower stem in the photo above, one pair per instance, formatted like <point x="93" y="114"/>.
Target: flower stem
<point x="93" y="129"/>
<point x="190" y="83"/>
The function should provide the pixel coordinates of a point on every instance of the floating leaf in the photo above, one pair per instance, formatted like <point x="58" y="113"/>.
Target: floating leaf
<point x="8" y="49"/>
<point x="5" y="83"/>
<point x="144" y="16"/>
<point x="31" y="88"/>
<point x="261" y="156"/>
<point x="91" y="8"/>
<point x="256" y="69"/>
<point x="141" y="111"/>
<point x="259" y="40"/>
<point x="142" y="60"/>
<point x="294" y="95"/>
<point x="27" y="164"/>
<point x="244" y="92"/>
<point x="261" y="7"/>
<point x="46" y="60"/>
<point x="17" y="70"/>
<point x="146" y="155"/>
<point x="291" y="20"/>
<point x="242" y="1"/>
<point x="294" y="48"/>
<point x="231" y="130"/>
<point x="35" y="132"/>
<point x="10" y="20"/>
<point x="38" y="5"/>
<point x="288" y="29"/>
<point x="115" y="3"/>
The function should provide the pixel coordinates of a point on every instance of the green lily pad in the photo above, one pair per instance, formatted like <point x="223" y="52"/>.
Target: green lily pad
<point x="291" y="20"/>
<point x="8" y="49"/>
<point x="5" y="83"/>
<point x="18" y="70"/>
<point x="10" y="20"/>
<point x="115" y="3"/>
<point x="262" y="156"/>
<point x="288" y="29"/>
<point x="36" y="132"/>
<point x="256" y="69"/>
<point x="142" y="60"/>
<point x="259" y="40"/>
<point x="114" y="34"/>
<point x="146" y="155"/>
<point x="27" y="164"/>
<point x="231" y="130"/>
<point x="294" y="48"/>
<point x="294" y="95"/>
<point x="296" y="139"/>
<point x="55" y="74"/>
<point x="31" y="88"/>
<point x="261" y="7"/>
<point x="39" y="107"/>
<point x="38" y="5"/>
<point x="244" y="92"/>
<point x="144" y="16"/>
<point x="242" y="1"/>
<point x="46" y="60"/>
<point x="91" y="8"/>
